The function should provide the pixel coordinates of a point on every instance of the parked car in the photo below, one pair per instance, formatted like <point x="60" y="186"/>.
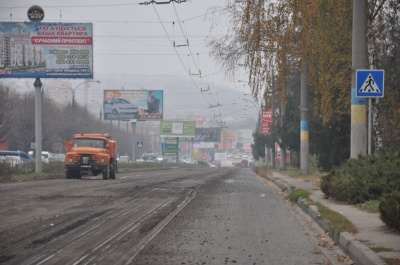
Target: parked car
<point x="57" y="158"/>
<point x="14" y="161"/>
<point x="149" y="157"/>
<point x="123" y="159"/>
<point x="46" y="156"/>
<point x="120" y="105"/>
<point x="26" y="159"/>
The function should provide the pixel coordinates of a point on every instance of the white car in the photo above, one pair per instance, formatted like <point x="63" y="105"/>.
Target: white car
<point x="57" y="158"/>
<point x="14" y="161"/>
<point x="46" y="156"/>
<point x="120" y="105"/>
<point x="124" y="159"/>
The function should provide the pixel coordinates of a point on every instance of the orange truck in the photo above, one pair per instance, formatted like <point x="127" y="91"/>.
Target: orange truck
<point x="91" y="153"/>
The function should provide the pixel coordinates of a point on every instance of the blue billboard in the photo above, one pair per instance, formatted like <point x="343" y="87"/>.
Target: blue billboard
<point x="46" y="50"/>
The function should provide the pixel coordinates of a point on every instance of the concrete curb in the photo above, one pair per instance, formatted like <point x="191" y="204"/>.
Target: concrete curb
<point x="359" y="253"/>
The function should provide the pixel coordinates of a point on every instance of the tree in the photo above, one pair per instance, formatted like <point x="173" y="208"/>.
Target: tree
<point x="6" y="110"/>
<point x="384" y="41"/>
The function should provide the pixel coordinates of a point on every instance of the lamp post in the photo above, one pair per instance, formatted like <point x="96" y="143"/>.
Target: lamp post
<point x="99" y="107"/>
<point x="73" y="90"/>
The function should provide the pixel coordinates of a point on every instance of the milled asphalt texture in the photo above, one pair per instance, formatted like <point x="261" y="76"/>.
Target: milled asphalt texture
<point x="372" y="232"/>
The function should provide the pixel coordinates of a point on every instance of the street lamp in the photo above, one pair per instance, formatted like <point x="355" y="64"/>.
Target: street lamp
<point x="99" y="107"/>
<point x="73" y="90"/>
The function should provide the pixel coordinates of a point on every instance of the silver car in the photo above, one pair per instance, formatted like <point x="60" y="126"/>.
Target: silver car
<point x="120" y="105"/>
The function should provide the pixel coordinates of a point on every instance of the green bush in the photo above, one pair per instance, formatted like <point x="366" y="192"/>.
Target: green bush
<point x="373" y="177"/>
<point x="54" y="167"/>
<point x="365" y="178"/>
<point x="6" y="172"/>
<point x="389" y="208"/>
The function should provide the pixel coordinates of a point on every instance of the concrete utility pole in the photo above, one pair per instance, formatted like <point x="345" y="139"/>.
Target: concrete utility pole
<point x="38" y="125"/>
<point x="304" y="134"/>
<point x="359" y="60"/>
<point x="272" y="145"/>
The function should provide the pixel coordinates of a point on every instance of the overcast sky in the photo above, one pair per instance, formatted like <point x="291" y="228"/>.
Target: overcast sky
<point x="134" y="49"/>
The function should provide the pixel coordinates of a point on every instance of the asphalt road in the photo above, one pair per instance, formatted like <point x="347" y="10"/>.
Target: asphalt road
<point x="178" y="216"/>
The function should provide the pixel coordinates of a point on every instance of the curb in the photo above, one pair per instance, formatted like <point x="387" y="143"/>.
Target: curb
<point x="359" y="253"/>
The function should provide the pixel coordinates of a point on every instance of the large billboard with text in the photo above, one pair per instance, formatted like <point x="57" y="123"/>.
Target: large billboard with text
<point x="133" y="105"/>
<point x="177" y="128"/>
<point x="46" y="50"/>
<point x="208" y="135"/>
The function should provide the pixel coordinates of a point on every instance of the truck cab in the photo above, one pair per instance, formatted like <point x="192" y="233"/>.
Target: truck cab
<point x="91" y="154"/>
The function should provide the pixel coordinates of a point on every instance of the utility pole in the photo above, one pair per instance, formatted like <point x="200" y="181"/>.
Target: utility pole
<point x="272" y="145"/>
<point x="359" y="60"/>
<point x="38" y="125"/>
<point x="304" y="133"/>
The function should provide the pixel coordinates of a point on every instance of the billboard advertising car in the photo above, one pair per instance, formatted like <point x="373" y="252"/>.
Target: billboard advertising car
<point x="46" y="50"/>
<point x="133" y="104"/>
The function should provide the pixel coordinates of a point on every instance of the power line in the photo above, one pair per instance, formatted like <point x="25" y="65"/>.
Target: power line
<point x="161" y="3"/>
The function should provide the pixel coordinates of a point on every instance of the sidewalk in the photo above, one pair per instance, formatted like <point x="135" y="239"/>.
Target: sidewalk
<point x="372" y="232"/>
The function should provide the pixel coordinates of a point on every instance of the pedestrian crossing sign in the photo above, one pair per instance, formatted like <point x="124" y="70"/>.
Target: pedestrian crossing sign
<point x="370" y="83"/>
<point x="139" y="144"/>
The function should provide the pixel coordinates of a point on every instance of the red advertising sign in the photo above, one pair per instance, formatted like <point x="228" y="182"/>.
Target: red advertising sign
<point x="266" y="121"/>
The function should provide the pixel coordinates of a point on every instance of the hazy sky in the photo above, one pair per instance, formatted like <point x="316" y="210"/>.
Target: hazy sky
<point x="134" y="49"/>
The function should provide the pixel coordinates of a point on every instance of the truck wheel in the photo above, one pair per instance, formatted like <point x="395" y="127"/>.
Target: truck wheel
<point x="68" y="174"/>
<point x="78" y="175"/>
<point x="113" y="174"/>
<point x="106" y="173"/>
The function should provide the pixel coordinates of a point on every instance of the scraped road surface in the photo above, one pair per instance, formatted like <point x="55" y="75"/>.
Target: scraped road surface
<point x="177" y="216"/>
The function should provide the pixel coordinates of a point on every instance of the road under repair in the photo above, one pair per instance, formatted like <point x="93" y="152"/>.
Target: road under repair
<point x="176" y="216"/>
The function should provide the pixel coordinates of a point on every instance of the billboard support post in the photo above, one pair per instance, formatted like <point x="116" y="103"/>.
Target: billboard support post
<point x="38" y="124"/>
<point x="133" y="124"/>
<point x="177" y="153"/>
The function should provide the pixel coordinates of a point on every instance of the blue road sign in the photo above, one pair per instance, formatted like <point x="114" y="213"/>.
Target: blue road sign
<point x="139" y="144"/>
<point x="370" y="83"/>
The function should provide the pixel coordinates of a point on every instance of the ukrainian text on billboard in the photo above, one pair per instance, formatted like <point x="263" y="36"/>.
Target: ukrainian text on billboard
<point x="46" y="50"/>
<point x="133" y="105"/>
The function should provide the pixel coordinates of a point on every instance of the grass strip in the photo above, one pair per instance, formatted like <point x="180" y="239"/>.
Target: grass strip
<point x="338" y="221"/>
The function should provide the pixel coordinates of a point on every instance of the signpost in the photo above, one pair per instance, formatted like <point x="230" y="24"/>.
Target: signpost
<point x="370" y="84"/>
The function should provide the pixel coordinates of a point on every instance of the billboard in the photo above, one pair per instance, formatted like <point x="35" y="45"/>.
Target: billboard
<point x="46" y="50"/>
<point x="266" y="121"/>
<point x="208" y="135"/>
<point x="204" y="145"/>
<point x="177" y="128"/>
<point x="133" y="104"/>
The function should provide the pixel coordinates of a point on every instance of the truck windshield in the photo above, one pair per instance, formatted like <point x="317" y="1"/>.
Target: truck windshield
<point x="89" y="143"/>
